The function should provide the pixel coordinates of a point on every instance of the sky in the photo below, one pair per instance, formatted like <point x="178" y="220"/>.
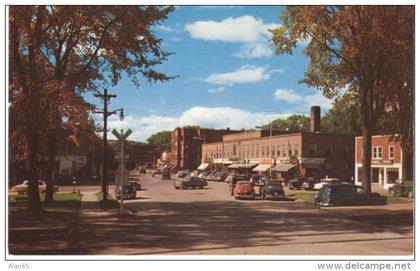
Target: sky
<point x="228" y="75"/>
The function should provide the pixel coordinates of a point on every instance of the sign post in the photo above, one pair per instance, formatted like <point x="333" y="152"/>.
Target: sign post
<point x="122" y="140"/>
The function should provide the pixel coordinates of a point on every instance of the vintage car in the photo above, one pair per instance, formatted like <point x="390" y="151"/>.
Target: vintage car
<point x="295" y="183"/>
<point x="218" y="176"/>
<point x="23" y="187"/>
<point x="129" y="192"/>
<point x="244" y="190"/>
<point x="233" y="179"/>
<point x="309" y="183"/>
<point x="135" y="182"/>
<point x="193" y="182"/>
<point x="272" y="190"/>
<point x="320" y="184"/>
<point x="347" y="194"/>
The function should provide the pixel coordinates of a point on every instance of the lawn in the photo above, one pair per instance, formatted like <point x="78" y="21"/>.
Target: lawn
<point x="109" y="203"/>
<point x="45" y="231"/>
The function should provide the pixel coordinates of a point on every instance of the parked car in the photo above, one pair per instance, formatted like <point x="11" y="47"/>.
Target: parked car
<point x="244" y="190"/>
<point x="309" y="183"/>
<point x="272" y="190"/>
<point x="142" y="170"/>
<point x="135" y="182"/>
<point x="182" y="174"/>
<point x="218" y="176"/>
<point x="319" y="185"/>
<point x="23" y="187"/>
<point x="166" y="175"/>
<point x="234" y="179"/>
<point x="202" y="175"/>
<point x="129" y="192"/>
<point x="192" y="182"/>
<point x="295" y="183"/>
<point x="347" y="194"/>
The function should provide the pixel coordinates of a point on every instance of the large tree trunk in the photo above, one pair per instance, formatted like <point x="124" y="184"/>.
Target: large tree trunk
<point x="33" y="169"/>
<point x="407" y="161"/>
<point x="50" y="168"/>
<point x="367" y="154"/>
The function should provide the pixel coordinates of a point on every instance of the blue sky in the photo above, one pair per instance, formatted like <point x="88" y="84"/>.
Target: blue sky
<point x="228" y="74"/>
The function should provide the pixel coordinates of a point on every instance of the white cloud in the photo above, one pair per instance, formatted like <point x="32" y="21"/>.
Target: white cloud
<point x="287" y="95"/>
<point x="305" y="101"/>
<point x="245" y="74"/>
<point x="215" y="90"/>
<point x="252" y="32"/>
<point x="254" y="50"/>
<point x="211" y="117"/>
<point x="318" y="99"/>
<point x="164" y="28"/>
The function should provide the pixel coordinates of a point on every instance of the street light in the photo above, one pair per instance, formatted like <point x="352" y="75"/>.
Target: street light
<point x="271" y="152"/>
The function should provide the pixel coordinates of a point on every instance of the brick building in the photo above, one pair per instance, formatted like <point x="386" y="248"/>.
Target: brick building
<point x="299" y="153"/>
<point x="386" y="160"/>
<point x="186" y="145"/>
<point x="140" y="154"/>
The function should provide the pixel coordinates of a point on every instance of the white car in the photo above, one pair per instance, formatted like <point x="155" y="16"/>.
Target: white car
<point x="23" y="187"/>
<point x="319" y="185"/>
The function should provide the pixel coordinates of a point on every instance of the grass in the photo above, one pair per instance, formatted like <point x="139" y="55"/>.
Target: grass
<point x="109" y="203"/>
<point x="304" y="195"/>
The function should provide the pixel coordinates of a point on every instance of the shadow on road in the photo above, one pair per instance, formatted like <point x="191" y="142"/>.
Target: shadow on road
<point x="176" y="227"/>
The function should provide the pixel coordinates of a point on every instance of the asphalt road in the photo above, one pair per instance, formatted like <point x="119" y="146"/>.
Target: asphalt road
<point x="210" y="222"/>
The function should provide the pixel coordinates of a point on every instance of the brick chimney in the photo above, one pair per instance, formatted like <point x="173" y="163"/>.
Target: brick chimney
<point x="315" y="119"/>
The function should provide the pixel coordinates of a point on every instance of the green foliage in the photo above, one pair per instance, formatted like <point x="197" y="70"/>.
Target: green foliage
<point x="293" y="123"/>
<point x="160" y="139"/>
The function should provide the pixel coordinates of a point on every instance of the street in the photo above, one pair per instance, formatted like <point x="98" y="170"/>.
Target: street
<point x="209" y="221"/>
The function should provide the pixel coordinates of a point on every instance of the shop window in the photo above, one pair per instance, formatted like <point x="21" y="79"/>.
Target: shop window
<point x="391" y="152"/>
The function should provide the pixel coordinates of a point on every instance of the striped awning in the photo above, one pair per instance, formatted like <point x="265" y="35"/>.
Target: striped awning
<point x="242" y="166"/>
<point x="262" y="167"/>
<point x="203" y="166"/>
<point x="283" y="167"/>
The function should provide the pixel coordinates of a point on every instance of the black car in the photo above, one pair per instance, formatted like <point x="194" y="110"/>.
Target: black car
<point x="272" y="190"/>
<point x="308" y="184"/>
<point x="135" y="183"/>
<point x="218" y="176"/>
<point x="347" y="194"/>
<point x="295" y="183"/>
<point x="166" y="175"/>
<point x="129" y="192"/>
<point x="192" y="182"/>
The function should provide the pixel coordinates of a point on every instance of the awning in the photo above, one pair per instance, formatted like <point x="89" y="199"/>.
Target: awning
<point x="262" y="167"/>
<point x="242" y="166"/>
<point x="283" y="167"/>
<point x="203" y="166"/>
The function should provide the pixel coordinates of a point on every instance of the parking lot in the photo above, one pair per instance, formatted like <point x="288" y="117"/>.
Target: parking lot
<point x="209" y="221"/>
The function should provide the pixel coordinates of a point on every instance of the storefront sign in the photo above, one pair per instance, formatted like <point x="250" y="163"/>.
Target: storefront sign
<point x="316" y="161"/>
<point x="265" y="161"/>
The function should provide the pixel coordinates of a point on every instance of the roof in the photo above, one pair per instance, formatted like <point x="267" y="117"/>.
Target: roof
<point x="262" y="167"/>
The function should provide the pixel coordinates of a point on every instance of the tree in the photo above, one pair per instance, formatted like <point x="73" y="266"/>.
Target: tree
<point x="349" y="46"/>
<point x="161" y="140"/>
<point x="293" y="123"/>
<point x="343" y="117"/>
<point x="70" y="50"/>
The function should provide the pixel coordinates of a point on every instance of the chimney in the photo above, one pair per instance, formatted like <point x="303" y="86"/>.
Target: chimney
<point x="315" y="119"/>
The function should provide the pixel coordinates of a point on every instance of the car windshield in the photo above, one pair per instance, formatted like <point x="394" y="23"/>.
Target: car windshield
<point x="343" y="189"/>
<point x="273" y="184"/>
<point x="244" y="185"/>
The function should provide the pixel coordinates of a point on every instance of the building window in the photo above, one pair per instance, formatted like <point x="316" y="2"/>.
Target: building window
<point x="328" y="151"/>
<point x="391" y="152"/>
<point x="377" y="152"/>
<point x="283" y="150"/>
<point x="312" y="150"/>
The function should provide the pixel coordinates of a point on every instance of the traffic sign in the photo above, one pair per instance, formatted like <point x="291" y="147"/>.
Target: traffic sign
<point x="122" y="136"/>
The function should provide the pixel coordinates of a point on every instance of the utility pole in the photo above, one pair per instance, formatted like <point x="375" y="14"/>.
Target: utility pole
<point x="104" y="170"/>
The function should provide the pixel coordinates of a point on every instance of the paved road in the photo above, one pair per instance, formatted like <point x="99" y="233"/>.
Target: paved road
<point x="208" y="221"/>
